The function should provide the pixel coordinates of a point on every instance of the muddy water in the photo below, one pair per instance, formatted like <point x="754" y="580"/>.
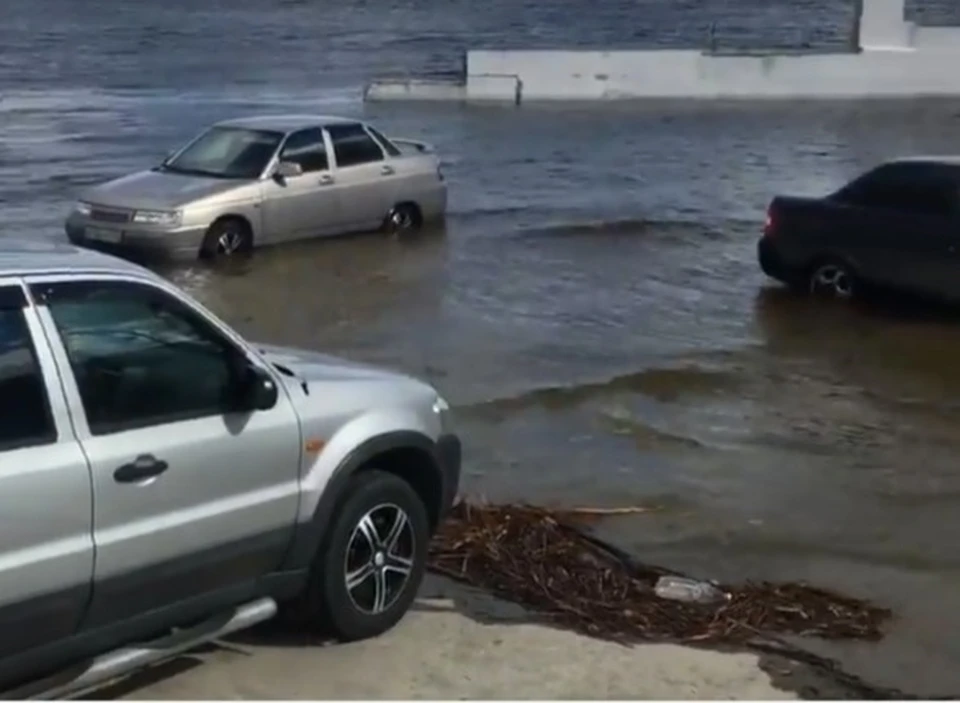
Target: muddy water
<point x="592" y="307"/>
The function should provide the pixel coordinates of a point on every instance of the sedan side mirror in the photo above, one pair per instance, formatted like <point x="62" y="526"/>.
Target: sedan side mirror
<point x="288" y="169"/>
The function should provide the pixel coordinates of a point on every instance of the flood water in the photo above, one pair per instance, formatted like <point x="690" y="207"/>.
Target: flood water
<point x="593" y="308"/>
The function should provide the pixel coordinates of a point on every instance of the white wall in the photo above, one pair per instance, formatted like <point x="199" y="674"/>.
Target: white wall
<point x="898" y="59"/>
<point x="882" y="25"/>
<point x="595" y="75"/>
<point x="937" y="39"/>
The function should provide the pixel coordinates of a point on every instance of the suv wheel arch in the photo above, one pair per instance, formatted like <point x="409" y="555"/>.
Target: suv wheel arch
<point x="309" y="535"/>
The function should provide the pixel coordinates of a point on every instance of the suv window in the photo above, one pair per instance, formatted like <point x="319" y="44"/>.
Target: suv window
<point x="306" y="148"/>
<point x="914" y="188"/>
<point x="140" y="356"/>
<point x="352" y="145"/>
<point x="25" y="418"/>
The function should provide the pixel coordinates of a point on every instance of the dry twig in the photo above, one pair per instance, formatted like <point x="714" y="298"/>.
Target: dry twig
<point x="540" y="559"/>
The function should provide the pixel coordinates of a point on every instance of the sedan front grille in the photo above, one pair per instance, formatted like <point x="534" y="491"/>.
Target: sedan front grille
<point x="110" y="215"/>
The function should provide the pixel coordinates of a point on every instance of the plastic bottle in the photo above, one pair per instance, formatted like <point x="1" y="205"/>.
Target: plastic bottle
<point x="688" y="590"/>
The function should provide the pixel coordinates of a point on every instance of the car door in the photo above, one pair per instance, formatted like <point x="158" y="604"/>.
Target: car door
<point x="365" y="178"/>
<point x="46" y="548"/>
<point x="899" y="226"/>
<point x="934" y="201"/>
<point x="930" y="263"/>
<point x="306" y="205"/>
<point x="191" y="497"/>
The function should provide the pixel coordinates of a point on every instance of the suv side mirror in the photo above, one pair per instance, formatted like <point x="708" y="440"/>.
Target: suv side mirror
<point x="259" y="391"/>
<point x="288" y="169"/>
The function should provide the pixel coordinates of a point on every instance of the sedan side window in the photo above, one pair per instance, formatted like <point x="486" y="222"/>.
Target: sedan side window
<point x="869" y="190"/>
<point x="353" y="146"/>
<point x="389" y="146"/>
<point x="140" y="357"/>
<point x="25" y="418"/>
<point x="306" y="148"/>
<point x="903" y="188"/>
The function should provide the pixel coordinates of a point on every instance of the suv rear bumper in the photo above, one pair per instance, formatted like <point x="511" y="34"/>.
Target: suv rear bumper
<point x="449" y="452"/>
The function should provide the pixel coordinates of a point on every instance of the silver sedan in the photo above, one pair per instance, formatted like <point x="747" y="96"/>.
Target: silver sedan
<point x="257" y="181"/>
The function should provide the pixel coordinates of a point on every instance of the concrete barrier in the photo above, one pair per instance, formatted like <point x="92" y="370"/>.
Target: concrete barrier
<point x="894" y="59"/>
<point x="414" y="89"/>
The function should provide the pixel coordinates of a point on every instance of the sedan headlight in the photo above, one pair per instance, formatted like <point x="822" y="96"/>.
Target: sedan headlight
<point x="441" y="409"/>
<point x="82" y="208"/>
<point x="165" y="218"/>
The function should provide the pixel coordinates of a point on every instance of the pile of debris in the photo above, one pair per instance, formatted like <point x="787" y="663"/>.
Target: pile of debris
<point x="545" y="561"/>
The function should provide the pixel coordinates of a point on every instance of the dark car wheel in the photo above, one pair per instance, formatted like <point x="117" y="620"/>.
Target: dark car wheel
<point x="403" y="219"/>
<point x="833" y="279"/>
<point x="227" y="238"/>
<point x="367" y="573"/>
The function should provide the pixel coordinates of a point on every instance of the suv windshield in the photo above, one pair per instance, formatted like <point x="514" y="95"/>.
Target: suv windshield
<point x="226" y="152"/>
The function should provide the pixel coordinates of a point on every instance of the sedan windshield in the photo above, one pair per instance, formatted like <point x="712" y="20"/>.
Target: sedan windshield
<point x="226" y="152"/>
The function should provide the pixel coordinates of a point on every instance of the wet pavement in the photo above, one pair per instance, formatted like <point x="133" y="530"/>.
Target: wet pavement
<point x="592" y="309"/>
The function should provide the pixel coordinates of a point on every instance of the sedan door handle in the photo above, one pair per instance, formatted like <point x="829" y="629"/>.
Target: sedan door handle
<point x="325" y="180"/>
<point x="387" y="171"/>
<point x="143" y="467"/>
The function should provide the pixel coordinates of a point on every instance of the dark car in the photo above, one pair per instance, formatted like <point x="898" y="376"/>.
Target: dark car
<point x="896" y="227"/>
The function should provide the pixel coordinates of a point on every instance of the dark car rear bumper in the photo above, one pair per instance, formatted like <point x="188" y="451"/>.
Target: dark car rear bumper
<point x="772" y="264"/>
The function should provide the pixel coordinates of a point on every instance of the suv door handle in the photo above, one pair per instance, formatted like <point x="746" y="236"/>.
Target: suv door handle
<point x="387" y="171"/>
<point x="143" y="467"/>
<point x="325" y="180"/>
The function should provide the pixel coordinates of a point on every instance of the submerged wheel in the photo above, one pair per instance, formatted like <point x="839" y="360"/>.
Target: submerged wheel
<point x="403" y="219"/>
<point x="833" y="279"/>
<point x="366" y="574"/>
<point x="227" y="238"/>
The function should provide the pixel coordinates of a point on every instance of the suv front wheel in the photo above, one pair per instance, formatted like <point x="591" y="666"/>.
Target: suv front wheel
<point x="366" y="574"/>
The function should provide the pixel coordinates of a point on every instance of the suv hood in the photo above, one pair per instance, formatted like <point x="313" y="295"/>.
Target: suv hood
<point x="157" y="190"/>
<point x="313" y="366"/>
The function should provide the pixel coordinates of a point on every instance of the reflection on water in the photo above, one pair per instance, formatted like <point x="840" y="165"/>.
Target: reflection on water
<point x="323" y="294"/>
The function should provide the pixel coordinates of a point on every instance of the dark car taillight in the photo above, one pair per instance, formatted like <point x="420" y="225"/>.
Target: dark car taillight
<point x="770" y="224"/>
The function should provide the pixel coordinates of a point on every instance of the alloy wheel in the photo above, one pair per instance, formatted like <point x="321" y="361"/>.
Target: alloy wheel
<point x="401" y="220"/>
<point x="379" y="558"/>
<point x="229" y="242"/>
<point x="833" y="280"/>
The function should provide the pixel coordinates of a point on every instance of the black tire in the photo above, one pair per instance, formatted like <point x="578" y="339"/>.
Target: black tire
<point x="226" y="239"/>
<point x="403" y="219"/>
<point x="351" y="614"/>
<point x="832" y="278"/>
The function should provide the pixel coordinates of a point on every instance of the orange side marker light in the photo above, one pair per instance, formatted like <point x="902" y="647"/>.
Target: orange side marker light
<point x="314" y="445"/>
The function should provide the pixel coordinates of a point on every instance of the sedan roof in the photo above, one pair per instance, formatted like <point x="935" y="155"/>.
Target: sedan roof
<point x="285" y="123"/>
<point x="28" y="256"/>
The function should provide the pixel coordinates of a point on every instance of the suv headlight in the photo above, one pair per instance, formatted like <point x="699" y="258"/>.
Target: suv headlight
<point x="441" y="409"/>
<point x="166" y="218"/>
<point x="82" y="208"/>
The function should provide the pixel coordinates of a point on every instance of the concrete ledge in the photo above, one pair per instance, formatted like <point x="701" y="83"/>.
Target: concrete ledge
<point x="414" y="89"/>
<point x="494" y="87"/>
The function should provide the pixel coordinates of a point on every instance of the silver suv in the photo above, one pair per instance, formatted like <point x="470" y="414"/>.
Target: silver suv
<point x="158" y="471"/>
<point x="262" y="180"/>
